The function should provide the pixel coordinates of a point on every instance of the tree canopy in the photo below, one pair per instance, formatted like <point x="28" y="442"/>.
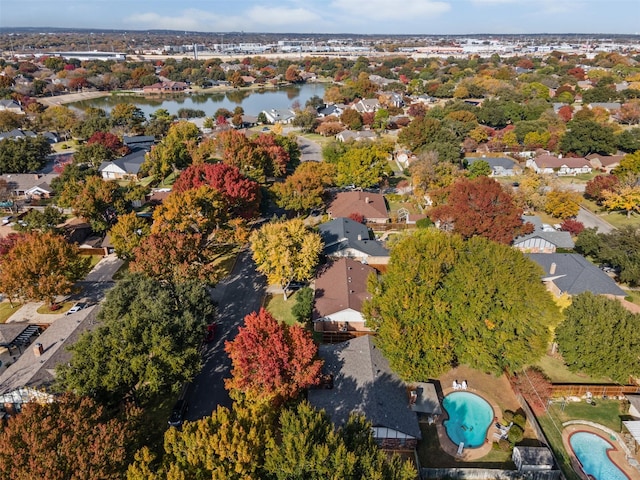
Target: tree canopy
<point x="444" y="300"/>
<point x="41" y="266"/>
<point x="23" y="155"/>
<point x="600" y="337"/>
<point x="304" y="189"/>
<point x="480" y="206"/>
<point x="147" y="342"/>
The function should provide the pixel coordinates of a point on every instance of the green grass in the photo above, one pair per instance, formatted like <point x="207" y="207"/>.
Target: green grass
<point x="281" y="309"/>
<point x="432" y="456"/>
<point x="635" y="296"/>
<point x="6" y="310"/>
<point x="45" y="310"/>
<point x="559" y="373"/>
<point x="617" y="219"/>
<point x="554" y="437"/>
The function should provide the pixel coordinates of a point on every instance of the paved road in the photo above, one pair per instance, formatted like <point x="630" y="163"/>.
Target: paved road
<point x="238" y="295"/>
<point x="590" y="220"/>
<point x="310" y="151"/>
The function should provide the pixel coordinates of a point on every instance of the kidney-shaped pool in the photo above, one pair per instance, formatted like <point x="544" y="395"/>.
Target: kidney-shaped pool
<point x="470" y="416"/>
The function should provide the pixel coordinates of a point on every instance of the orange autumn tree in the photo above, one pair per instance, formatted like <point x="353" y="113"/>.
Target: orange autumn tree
<point x="271" y="361"/>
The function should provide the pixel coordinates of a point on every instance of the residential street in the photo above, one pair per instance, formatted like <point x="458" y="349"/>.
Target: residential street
<point x="590" y="220"/>
<point x="310" y="151"/>
<point x="238" y="295"/>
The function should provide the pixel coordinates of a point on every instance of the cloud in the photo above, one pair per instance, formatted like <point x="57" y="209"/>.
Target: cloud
<point x="363" y="10"/>
<point x="275" y="16"/>
<point x="190" y="19"/>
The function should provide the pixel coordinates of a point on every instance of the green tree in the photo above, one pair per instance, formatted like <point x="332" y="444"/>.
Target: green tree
<point x="587" y="136"/>
<point x="430" y="311"/>
<point x="128" y="233"/>
<point x="173" y="152"/>
<point x="363" y="165"/>
<point x="148" y="341"/>
<point x="129" y="116"/>
<point x="286" y="251"/>
<point x="597" y="328"/>
<point x="351" y="119"/>
<point x="46" y="220"/>
<point x="41" y="266"/>
<point x="303" y="308"/>
<point x="23" y="155"/>
<point x="73" y="437"/>
<point x="479" y="168"/>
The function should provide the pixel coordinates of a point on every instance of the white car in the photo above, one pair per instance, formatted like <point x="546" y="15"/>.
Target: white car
<point x="76" y="308"/>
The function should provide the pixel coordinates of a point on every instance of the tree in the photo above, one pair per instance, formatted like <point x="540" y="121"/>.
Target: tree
<point x="363" y="165"/>
<point x="430" y="311"/>
<point x="305" y="120"/>
<point x="535" y="387"/>
<point x="46" y="220"/>
<point x="626" y="198"/>
<point x="303" y="308"/>
<point x="573" y="226"/>
<point x="292" y="75"/>
<point x="351" y="119"/>
<point x="596" y="187"/>
<point x="93" y="154"/>
<point x="630" y="164"/>
<point x="128" y="233"/>
<point x="147" y="342"/>
<point x="128" y="115"/>
<point x="271" y="362"/>
<point x="72" y="437"/>
<point x="10" y="120"/>
<point x="286" y="251"/>
<point x="304" y="189"/>
<point x="596" y="327"/>
<point x="176" y="257"/>
<point x="480" y="207"/>
<point x="479" y="168"/>
<point x="562" y="203"/>
<point x="96" y="200"/>
<point x="23" y="155"/>
<point x="241" y="194"/>
<point x="109" y="141"/>
<point x="41" y="267"/>
<point x="587" y="136"/>
<point x="173" y="152"/>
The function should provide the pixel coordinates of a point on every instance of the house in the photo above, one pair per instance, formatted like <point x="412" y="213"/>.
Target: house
<point x="340" y="290"/>
<point x="347" y="135"/>
<point x="634" y="405"/>
<point x="343" y="237"/>
<point x="366" y="105"/>
<point x="611" y="107"/>
<point x="604" y="162"/>
<point x="279" y="116"/>
<point x="573" y="274"/>
<point x="500" y="166"/>
<point x="125" y="167"/>
<point x="165" y="87"/>
<point x="11" y="106"/>
<point x="364" y="383"/>
<point x="17" y="133"/>
<point x="543" y="239"/>
<point x="372" y="206"/>
<point x="248" y="79"/>
<point x="29" y="185"/>
<point x="328" y="110"/>
<point x="139" y="141"/>
<point x="29" y="377"/>
<point x="547" y="164"/>
<point x="534" y="459"/>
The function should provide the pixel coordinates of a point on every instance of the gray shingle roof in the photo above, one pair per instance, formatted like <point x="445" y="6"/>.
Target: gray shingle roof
<point x="129" y="164"/>
<point x="559" y="239"/>
<point x="574" y="274"/>
<point x="342" y="233"/>
<point x="503" y="162"/>
<point x="363" y="382"/>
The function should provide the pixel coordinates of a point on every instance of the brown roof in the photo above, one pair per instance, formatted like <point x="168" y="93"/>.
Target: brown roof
<point x="606" y="160"/>
<point x="342" y="285"/>
<point x="549" y="161"/>
<point x="370" y="205"/>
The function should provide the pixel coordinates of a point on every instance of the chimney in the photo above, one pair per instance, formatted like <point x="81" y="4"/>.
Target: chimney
<point x="366" y="199"/>
<point x="38" y="349"/>
<point x="552" y="270"/>
<point x="359" y="237"/>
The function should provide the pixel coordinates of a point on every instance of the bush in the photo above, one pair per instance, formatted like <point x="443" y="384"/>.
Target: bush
<point x="520" y="420"/>
<point x="507" y="416"/>
<point x="304" y="305"/>
<point x="424" y="223"/>
<point x="516" y="434"/>
<point x="504" y="445"/>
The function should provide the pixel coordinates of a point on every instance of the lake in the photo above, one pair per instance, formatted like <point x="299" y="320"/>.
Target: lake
<point x="252" y="101"/>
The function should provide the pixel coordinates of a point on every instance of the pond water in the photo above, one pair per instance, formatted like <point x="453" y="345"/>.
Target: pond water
<point x="252" y="101"/>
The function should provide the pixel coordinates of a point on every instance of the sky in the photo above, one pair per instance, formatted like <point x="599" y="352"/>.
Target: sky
<point x="423" y="17"/>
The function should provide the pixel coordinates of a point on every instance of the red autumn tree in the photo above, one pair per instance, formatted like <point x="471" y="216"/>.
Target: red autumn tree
<point x="535" y="387"/>
<point x="565" y="113"/>
<point x="109" y="141"/>
<point x="241" y="194"/>
<point x="481" y="207"/>
<point x="73" y="437"/>
<point x="357" y="217"/>
<point x="571" y="225"/>
<point x="271" y="361"/>
<point x="596" y="187"/>
<point x="10" y="241"/>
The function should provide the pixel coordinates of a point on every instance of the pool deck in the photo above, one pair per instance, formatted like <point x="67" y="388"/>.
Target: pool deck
<point x="468" y="454"/>
<point x="617" y="456"/>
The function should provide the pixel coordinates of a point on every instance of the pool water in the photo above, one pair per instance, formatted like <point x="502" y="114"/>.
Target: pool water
<point x="591" y="450"/>
<point x="470" y="416"/>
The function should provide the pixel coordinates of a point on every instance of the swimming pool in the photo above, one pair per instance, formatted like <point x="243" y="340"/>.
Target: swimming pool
<point x="470" y="416"/>
<point x="591" y="450"/>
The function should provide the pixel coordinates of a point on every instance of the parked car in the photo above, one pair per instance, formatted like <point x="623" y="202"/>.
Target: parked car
<point x="211" y="333"/>
<point x="76" y="308"/>
<point x="7" y="220"/>
<point x="178" y="413"/>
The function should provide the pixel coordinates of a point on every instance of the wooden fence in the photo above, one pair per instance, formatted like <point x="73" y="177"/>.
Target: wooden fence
<point x="596" y="390"/>
<point x="338" y="337"/>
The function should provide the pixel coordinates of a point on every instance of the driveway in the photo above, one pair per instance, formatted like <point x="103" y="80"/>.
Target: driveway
<point x="591" y="220"/>
<point x="237" y="295"/>
<point x="310" y="151"/>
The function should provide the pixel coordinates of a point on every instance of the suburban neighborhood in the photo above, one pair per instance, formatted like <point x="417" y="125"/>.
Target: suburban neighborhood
<point x="427" y="265"/>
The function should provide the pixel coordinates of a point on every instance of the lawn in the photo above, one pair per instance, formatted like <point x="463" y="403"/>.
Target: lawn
<point x="605" y="412"/>
<point x="634" y="296"/>
<point x="617" y="219"/>
<point x="281" y="309"/>
<point x="432" y="456"/>
<point x="558" y="372"/>
<point x="63" y="307"/>
<point x="6" y="310"/>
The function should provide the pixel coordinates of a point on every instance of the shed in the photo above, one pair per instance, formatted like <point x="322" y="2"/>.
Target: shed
<point x="528" y="459"/>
